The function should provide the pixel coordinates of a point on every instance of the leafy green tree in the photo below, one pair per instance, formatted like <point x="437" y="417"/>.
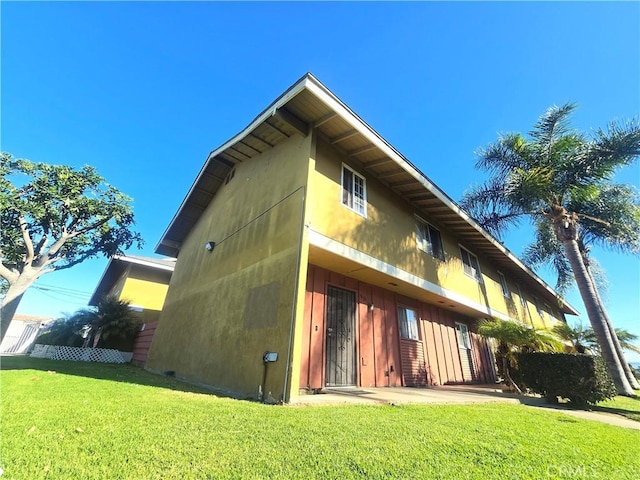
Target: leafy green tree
<point x="563" y="182"/>
<point x="516" y="337"/>
<point x="53" y="217"/>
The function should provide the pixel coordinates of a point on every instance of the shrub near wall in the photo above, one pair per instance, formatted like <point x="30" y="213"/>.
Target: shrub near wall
<point x="583" y="379"/>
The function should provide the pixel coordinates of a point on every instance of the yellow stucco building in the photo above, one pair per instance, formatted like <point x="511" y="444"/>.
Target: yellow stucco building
<point x="143" y="282"/>
<point x="307" y="235"/>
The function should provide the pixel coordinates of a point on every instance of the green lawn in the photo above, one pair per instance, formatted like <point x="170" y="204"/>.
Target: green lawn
<point x="628" y="407"/>
<point x="68" y="420"/>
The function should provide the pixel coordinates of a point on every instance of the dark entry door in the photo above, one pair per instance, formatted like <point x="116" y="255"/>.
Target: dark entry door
<point x="341" y="344"/>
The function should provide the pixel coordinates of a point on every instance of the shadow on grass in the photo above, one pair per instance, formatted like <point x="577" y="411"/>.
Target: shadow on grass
<point x="126" y="373"/>
<point x="626" y="406"/>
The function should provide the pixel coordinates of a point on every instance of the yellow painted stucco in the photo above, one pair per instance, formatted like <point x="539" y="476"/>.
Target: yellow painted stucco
<point x="143" y="287"/>
<point x="144" y="293"/>
<point x="225" y="308"/>
<point x="388" y="233"/>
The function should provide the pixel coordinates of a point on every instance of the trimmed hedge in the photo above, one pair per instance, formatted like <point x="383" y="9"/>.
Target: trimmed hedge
<point x="583" y="379"/>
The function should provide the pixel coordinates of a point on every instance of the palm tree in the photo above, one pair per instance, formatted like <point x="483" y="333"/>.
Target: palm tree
<point x="562" y="181"/>
<point x="626" y="338"/>
<point x="111" y="323"/>
<point x="548" y="250"/>
<point x="514" y="337"/>
<point x="577" y="335"/>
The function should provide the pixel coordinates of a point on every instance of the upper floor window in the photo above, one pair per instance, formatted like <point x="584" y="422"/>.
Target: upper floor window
<point x="354" y="191"/>
<point x="470" y="264"/>
<point x="408" y="322"/>
<point x="429" y="240"/>
<point x="503" y="284"/>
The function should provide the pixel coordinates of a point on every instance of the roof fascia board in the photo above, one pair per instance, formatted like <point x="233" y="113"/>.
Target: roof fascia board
<point x="357" y="123"/>
<point x="319" y="240"/>
<point x="94" y="297"/>
<point x="146" y="263"/>
<point x="271" y="110"/>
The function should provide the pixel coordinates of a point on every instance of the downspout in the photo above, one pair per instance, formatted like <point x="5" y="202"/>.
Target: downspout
<point x="295" y="294"/>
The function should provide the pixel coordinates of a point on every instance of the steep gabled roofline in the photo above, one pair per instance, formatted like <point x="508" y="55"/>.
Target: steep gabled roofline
<point x="310" y="83"/>
<point x="109" y="273"/>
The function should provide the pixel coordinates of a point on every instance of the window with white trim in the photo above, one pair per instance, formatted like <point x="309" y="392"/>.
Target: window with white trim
<point x="408" y="322"/>
<point x="462" y="331"/>
<point x="470" y="264"/>
<point x="354" y="191"/>
<point x="429" y="240"/>
<point x="503" y="284"/>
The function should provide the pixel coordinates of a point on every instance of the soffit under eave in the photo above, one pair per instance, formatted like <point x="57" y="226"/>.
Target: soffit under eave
<point x="305" y="111"/>
<point x="112" y="274"/>
<point x="363" y="153"/>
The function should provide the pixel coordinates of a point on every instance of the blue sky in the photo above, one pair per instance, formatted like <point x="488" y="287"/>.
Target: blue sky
<point x="144" y="90"/>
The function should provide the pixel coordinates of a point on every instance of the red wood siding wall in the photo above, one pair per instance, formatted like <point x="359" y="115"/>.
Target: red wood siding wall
<point x="143" y="343"/>
<point x="383" y="359"/>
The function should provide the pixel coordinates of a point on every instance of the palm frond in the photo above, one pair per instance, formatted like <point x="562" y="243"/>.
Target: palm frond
<point x="547" y="250"/>
<point x="609" y="216"/>
<point x="530" y="189"/>
<point x="617" y="147"/>
<point x="491" y="208"/>
<point x="518" y="336"/>
<point x="500" y="158"/>
<point x="552" y="124"/>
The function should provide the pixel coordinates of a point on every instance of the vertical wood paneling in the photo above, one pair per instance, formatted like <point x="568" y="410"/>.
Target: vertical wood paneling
<point x="443" y="346"/>
<point x="393" y="339"/>
<point x="431" y="359"/>
<point x="379" y="339"/>
<point x="452" y="339"/>
<point x="366" y="341"/>
<point x="380" y="358"/>
<point x="306" y="330"/>
<point x="317" y="339"/>
<point x="437" y="344"/>
<point x="143" y="343"/>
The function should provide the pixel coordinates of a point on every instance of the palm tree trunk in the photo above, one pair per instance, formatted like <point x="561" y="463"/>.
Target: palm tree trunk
<point x="594" y="312"/>
<point x="507" y="376"/>
<point x="614" y="336"/>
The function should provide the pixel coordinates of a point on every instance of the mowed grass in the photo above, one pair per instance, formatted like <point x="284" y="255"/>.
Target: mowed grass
<point x="69" y="420"/>
<point x="625" y="406"/>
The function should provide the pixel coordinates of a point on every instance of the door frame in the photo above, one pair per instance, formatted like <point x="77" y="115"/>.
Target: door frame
<point x="356" y="335"/>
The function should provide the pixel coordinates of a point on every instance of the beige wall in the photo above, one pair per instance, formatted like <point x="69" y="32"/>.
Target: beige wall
<point x="225" y="308"/>
<point x="388" y="233"/>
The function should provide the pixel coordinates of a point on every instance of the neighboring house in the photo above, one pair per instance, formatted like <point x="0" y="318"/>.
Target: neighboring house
<point x="309" y="236"/>
<point x="21" y="333"/>
<point x="142" y="281"/>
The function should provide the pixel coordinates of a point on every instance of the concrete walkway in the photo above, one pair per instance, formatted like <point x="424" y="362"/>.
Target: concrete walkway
<point x="451" y="394"/>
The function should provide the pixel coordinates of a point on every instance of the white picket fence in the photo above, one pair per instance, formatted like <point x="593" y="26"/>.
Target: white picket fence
<point x="81" y="354"/>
